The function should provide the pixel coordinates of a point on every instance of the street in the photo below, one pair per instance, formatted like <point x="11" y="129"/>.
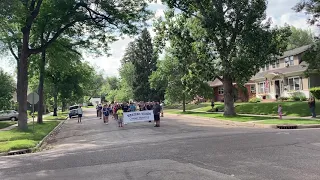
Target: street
<point x="180" y="149"/>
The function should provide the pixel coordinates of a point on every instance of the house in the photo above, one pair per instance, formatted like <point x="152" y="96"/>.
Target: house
<point x="241" y="93"/>
<point x="279" y="79"/>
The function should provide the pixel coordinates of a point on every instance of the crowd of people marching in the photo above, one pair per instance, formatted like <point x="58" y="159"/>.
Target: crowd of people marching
<point x="116" y="110"/>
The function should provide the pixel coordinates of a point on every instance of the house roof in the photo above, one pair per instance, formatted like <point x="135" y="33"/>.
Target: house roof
<point x="287" y="70"/>
<point x="217" y="83"/>
<point x="295" y="51"/>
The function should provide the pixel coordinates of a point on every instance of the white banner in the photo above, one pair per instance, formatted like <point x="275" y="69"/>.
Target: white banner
<point x="138" y="116"/>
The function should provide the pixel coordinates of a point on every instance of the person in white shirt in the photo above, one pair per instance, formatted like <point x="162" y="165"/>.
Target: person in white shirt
<point x="80" y="112"/>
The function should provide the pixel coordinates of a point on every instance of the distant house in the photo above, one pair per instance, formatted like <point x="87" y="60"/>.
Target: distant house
<point x="279" y="79"/>
<point x="95" y="101"/>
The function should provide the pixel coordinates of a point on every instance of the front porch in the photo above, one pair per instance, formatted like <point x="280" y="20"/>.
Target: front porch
<point x="278" y="85"/>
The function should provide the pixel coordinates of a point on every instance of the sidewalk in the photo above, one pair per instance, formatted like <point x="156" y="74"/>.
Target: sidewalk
<point x="268" y="116"/>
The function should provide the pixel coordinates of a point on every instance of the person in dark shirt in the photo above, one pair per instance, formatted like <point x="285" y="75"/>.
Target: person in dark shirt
<point x="156" y="113"/>
<point x="125" y="107"/>
<point x="312" y="106"/>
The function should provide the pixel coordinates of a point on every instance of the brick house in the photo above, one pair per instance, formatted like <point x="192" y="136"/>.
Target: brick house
<point x="240" y="94"/>
<point x="279" y="79"/>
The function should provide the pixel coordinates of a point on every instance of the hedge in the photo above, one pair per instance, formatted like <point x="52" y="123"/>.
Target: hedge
<point x="315" y="91"/>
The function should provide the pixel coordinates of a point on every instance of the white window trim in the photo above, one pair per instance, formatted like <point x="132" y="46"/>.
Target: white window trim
<point x="254" y="90"/>
<point x="288" y="85"/>
<point x="291" y="60"/>
<point x="264" y="87"/>
<point x="220" y="89"/>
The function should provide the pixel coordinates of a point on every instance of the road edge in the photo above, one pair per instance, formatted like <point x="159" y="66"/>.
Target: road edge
<point x="38" y="146"/>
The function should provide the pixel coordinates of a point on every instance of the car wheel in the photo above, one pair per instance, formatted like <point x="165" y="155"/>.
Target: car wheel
<point x="13" y="119"/>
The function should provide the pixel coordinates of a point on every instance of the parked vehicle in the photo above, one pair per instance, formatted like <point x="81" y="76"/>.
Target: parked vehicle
<point x="73" y="111"/>
<point x="9" y="115"/>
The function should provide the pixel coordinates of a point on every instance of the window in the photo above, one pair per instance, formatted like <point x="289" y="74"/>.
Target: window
<point x="253" y="89"/>
<point x="220" y="90"/>
<point x="273" y="64"/>
<point x="294" y="84"/>
<point x="261" y="87"/>
<point x="291" y="62"/>
<point x="286" y="61"/>
<point x="278" y="63"/>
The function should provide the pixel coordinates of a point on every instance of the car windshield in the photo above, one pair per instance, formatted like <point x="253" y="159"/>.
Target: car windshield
<point x="73" y="107"/>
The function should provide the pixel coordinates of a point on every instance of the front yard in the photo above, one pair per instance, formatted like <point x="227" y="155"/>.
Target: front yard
<point x="243" y="118"/>
<point x="15" y="139"/>
<point x="293" y="109"/>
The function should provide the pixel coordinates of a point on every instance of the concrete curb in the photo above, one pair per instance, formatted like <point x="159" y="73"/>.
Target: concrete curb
<point x="308" y="126"/>
<point x="30" y="150"/>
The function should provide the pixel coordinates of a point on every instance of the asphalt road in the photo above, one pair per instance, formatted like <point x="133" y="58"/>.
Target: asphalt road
<point x="180" y="149"/>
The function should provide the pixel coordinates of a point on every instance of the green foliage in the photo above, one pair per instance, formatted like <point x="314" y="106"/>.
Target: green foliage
<point x="254" y="100"/>
<point x="283" y="98"/>
<point x="7" y="89"/>
<point x="310" y="7"/>
<point x="138" y="63"/>
<point x="298" y="96"/>
<point x="299" y="37"/>
<point x="15" y="139"/>
<point x="228" y="38"/>
<point x="315" y="91"/>
<point x="298" y="109"/>
<point x="312" y="57"/>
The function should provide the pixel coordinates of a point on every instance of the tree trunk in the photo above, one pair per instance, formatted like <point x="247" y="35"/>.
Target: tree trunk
<point x="229" y="109"/>
<point x="23" y="83"/>
<point x="55" y="99"/>
<point x="63" y="105"/>
<point x="184" y="102"/>
<point x="41" y="82"/>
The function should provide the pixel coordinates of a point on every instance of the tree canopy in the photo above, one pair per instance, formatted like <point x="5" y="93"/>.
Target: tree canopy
<point x="233" y="40"/>
<point x="7" y="89"/>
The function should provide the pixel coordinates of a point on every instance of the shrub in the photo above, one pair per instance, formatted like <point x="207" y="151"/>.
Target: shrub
<point x="283" y="98"/>
<point x="315" y="91"/>
<point x="298" y="96"/>
<point x="255" y="100"/>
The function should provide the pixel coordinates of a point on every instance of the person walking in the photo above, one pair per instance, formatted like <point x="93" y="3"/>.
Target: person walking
<point x="80" y="112"/>
<point x="312" y="106"/>
<point x="280" y="111"/>
<point x="161" y="105"/>
<point x="120" y="117"/>
<point x="105" y="114"/>
<point x="156" y="113"/>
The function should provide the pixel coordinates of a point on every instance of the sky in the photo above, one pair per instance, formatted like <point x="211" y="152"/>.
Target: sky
<point x="279" y="10"/>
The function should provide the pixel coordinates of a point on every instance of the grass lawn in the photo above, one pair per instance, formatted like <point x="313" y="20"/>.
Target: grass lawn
<point x="4" y="124"/>
<point x="240" y="118"/>
<point x="220" y="116"/>
<point x="188" y="106"/>
<point x="298" y="109"/>
<point x="61" y="116"/>
<point x="15" y="139"/>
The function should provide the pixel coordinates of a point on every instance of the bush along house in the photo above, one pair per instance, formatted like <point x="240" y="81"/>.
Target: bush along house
<point x="281" y="79"/>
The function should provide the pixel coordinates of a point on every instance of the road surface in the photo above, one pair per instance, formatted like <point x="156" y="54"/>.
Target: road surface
<point x="180" y="149"/>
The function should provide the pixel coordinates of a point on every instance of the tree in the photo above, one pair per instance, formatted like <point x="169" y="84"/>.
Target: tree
<point x="299" y="37"/>
<point x="310" y="7"/>
<point x="99" y="18"/>
<point x="145" y="63"/>
<point x="312" y="55"/>
<point x="7" y="89"/>
<point x="233" y="41"/>
<point x="141" y="60"/>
